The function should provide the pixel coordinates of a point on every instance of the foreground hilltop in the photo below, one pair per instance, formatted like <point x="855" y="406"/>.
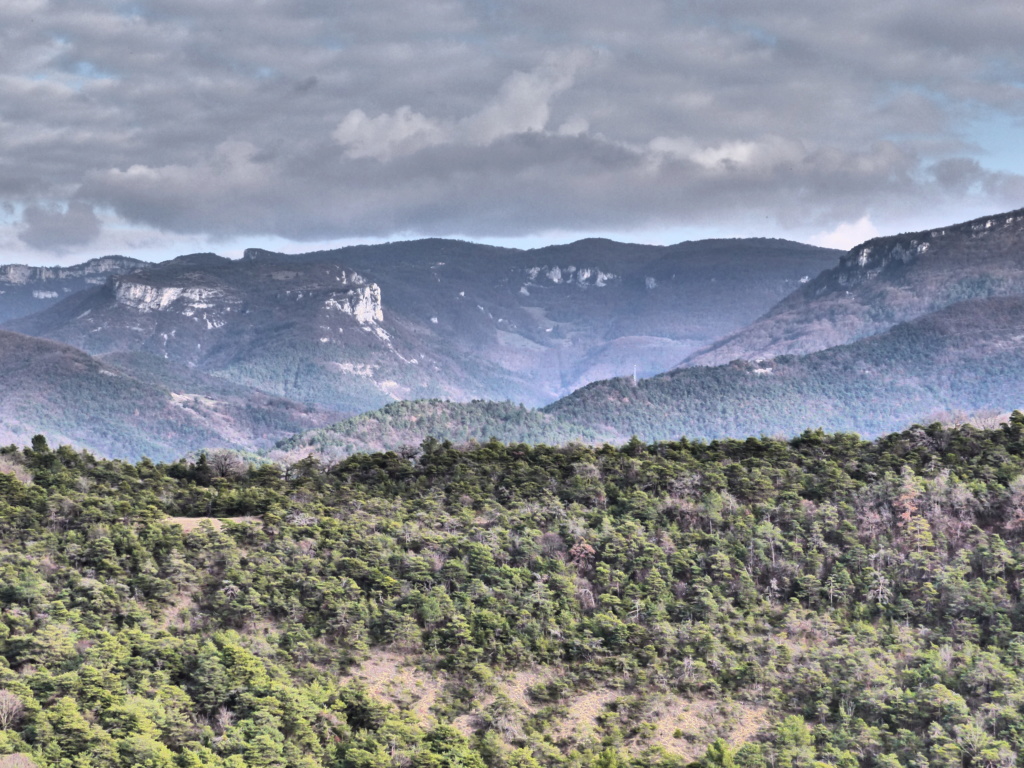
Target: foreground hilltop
<point x="756" y="603"/>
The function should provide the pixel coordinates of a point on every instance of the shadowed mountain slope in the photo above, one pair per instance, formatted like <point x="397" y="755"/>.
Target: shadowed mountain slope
<point x="74" y="398"/>
<point x="882" y="282"/>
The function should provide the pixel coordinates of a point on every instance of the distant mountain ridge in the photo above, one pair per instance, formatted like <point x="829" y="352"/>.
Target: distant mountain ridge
<point x="437" y="321"/>
<point x="26" y="290"/>
<point x="356" y="328"/>
<point x="882" y="282"/>
<point x="968" y="356"/>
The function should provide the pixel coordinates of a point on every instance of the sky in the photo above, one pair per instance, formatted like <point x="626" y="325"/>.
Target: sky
<point x="159" y="127"/>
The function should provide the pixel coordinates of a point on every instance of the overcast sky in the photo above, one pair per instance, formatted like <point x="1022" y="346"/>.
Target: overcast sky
<point x="159" y="127"/>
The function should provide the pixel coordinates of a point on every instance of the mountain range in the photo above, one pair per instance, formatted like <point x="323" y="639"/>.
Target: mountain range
<point x="341" y="332"/>
<point x="359" y="327"/>
<point x="903" y="329"/>
<point x="709" y="339"/>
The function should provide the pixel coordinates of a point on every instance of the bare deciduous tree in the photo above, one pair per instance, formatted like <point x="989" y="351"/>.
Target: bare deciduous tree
<point x="225" y="463"/>
<point x="223" y="720"/>
<point x="11" y="709"/>
<point x="11" y="466"/>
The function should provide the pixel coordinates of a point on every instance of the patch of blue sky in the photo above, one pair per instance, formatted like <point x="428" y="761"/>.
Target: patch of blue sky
<point x="11" y="213"/>
<point x="685" y="17"/>
<point x="76" y="77"/>
<point x="999" y="137"/>
<point x="330" y="42"/>
<point x="992" y="136"/>
<point x="89" y="71"/>
<point x="758" y="35"/>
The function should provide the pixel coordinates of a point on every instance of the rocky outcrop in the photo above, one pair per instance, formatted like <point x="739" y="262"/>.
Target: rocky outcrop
<point x="150" y="298"/>
<point x="20" y="274"/>
<point x="362" y="303"/>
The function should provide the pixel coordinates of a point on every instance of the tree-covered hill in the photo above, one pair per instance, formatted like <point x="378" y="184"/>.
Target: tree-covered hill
<point x="819" y="601"/>
<point x="969" y="356"/>
<point x="409" y="422"/>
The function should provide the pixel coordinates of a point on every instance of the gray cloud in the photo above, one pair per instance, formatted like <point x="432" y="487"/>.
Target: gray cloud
<point x="55" y="229"/>
<point x="312" y="120"/>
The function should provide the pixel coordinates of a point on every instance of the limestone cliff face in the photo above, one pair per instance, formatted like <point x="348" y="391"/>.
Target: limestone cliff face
<point x="97" y="269"/>
<point x="362" y="303"/>
<point x="149" y="298"/>
<point x="19" y="274"/>
<point x="26" y="290"/>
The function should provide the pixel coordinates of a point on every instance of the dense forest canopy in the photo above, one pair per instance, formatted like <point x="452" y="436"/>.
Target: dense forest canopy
<point x="862" y="598"/>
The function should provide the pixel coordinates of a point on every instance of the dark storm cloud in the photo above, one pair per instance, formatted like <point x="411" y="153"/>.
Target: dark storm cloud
<point x="310" y="119"/>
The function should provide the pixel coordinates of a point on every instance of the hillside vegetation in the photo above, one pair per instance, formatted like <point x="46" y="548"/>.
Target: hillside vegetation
<point x="967" y="356"/>
<point x="754" y="603"/>
<point x="121" y="408"/>
<point x="407" y="423"/>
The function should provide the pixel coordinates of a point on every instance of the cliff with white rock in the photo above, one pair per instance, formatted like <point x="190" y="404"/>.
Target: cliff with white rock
<point x="25" y="290"/>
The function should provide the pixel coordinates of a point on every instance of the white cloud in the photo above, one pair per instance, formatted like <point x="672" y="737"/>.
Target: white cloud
<point x="384" y="136"/>
<point x="524" y="102"/>
<point x="847" y="235"/>
<point x="522" y="105"/>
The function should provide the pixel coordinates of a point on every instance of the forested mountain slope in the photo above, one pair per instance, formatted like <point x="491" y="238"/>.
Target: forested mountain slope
<point x="969" y="356"/>
<point x="882" y="282"/>
<point x="756" y="603"/>
<point x="359" y="327"/>
<point x="409" y="423"/>
<point x="72" y="397"/>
